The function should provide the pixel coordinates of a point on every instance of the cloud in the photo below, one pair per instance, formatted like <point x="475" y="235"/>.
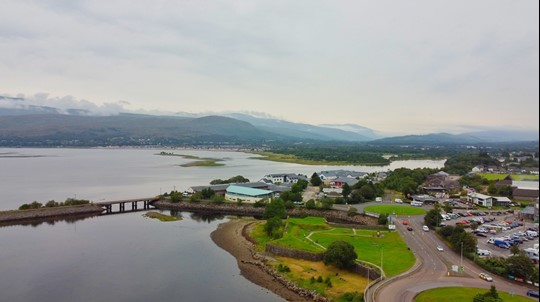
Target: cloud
<point x="64" y="105"/>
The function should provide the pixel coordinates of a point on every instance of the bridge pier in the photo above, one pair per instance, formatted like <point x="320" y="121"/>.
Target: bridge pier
<point x="122" y="207"/>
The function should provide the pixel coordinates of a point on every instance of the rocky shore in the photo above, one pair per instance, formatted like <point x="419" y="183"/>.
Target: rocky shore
<point x="229" y="236"/>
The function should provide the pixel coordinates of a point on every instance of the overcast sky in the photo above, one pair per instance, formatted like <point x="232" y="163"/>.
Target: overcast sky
<point x="393" y="66"/>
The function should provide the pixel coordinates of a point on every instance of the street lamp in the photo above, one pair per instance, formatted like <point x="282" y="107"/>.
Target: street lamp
<point x="461" y="258"/>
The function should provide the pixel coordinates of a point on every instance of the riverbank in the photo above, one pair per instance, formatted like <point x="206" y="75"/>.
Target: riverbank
<point x="228" y="236"/>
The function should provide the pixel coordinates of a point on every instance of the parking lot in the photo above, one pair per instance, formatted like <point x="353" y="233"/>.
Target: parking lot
<point x="496" y="226"/>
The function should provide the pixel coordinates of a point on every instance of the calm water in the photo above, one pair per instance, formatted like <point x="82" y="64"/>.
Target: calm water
<point x="105" y="174"/>
<point x="120" y="258"/>
<point x="124" y="257"/>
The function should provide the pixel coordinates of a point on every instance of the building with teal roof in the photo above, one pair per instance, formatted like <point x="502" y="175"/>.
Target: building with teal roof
<point x="249" y="195"/>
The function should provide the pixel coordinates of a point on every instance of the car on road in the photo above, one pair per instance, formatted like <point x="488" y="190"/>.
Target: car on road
<point x="532" y="293"/>
<point x="425" y="228"/>
<point x="440" y="248"/>
<point x="409" y="229"/>
<point x="486" y="277"/>
<point x="405" y="222"/>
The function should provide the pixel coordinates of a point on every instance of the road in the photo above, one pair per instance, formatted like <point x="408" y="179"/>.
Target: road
<point x="435" y="267"/>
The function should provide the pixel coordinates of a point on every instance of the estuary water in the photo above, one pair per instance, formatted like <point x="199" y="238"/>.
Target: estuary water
<point x="124" y="257"/>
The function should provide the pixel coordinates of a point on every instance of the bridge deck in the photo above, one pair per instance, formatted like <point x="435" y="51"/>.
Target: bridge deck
<point x="104" y="203"/>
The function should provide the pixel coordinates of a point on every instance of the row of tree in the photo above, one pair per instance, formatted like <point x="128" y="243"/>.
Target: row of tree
<point x="53" y="204"/>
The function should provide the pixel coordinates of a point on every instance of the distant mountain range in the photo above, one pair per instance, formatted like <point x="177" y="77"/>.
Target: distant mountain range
<point x="40" y="125"/>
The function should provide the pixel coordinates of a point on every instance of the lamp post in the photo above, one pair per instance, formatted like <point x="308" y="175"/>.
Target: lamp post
<point x="461" y="257"/>
<point x="382" y="250"/>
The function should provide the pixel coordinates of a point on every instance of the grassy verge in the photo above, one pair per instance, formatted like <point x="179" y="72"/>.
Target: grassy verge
<point x="451" y="294"/>
<point x="395" y="209"/>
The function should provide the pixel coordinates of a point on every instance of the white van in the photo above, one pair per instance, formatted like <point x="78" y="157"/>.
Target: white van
<point x="397" y="200"/>
<point x="531" y="233"/>
<point x="480" y="252"/>
<point x="425" y="228"/>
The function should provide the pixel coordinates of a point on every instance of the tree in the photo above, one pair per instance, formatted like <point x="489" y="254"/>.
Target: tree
<point x="276" y="208"/>
<point x="327" y="203"/>
<point x="490" y="296"/>
<point x="310" y="204"/>
<point x="176" y="196"/>
<point x="273" y="227"/>
<point x="520" y="265"/>
<point x="299" y="186"/>
<point x="315" y="180"/>
<point x="514" y="250"/>
<point x="340" y="254"/>
<point x="346" y="190"/>
<point x="207" y="193"/>
<point x="433" y="217"/>
<point x="383" y="219"/>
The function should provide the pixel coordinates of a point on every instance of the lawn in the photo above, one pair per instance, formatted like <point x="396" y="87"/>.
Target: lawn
<point x="396" y="257"/>
<point x="395" y="209"/>
<point x="451" y="294"/>
<point x="518" y="177"/>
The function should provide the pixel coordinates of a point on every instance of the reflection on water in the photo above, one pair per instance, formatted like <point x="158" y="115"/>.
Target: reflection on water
<point x="123" y="257"/>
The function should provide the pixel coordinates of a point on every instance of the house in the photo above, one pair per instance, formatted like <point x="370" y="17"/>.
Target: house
<point x="525" y="194"/>
<point x="502" y="201"/>
<point x="339" y="182"/>
<point x="530" y="170"/>
<point x="425" y="199"/>
<point x="334" y="174"/>
<point x="507" y="181"/>
<point x="283" y="178"/>
<point x="441" y="182"/>
<point x="246" y="194"/>
<point x="477" y="169"/>
<point x="221" y="189"/>
<point x="480" y="199"/>
<point x="332" y="192"/>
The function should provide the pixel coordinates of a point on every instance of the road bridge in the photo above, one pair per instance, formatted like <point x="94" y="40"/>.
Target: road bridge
<point x="108" y="205"/>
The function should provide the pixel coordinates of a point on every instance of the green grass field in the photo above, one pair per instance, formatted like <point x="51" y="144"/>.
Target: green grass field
<point x="451" y="294"/>
<point x="396" y="257"/>
<point x="494" y="176"/>
<point x="395" y="209"/>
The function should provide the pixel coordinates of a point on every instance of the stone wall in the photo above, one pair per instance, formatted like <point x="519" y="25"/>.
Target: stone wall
<point x="291" y="253"/>
<point x="249" y="210"/>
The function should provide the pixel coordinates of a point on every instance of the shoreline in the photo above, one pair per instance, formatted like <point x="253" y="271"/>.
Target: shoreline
<point x="228" y="236"/>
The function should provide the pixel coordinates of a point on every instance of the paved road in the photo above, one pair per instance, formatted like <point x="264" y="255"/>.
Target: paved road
<point x="434" y="270"/>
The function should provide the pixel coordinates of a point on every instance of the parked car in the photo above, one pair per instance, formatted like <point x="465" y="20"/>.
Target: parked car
<point x="440" y="248"/>
<point x="481" y="235"/>
<point x="486" y="277"/>
<point x="409" y="229"/>
<point x="425" y="228"/>
<point x="533" y="293"/>
<point x="405" y="222"/>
